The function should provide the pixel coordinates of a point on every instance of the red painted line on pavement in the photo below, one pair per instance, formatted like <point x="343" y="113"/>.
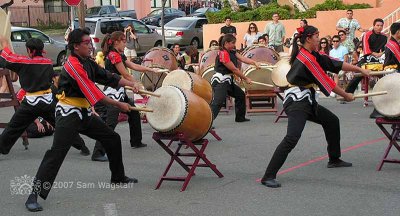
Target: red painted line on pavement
<point x="365" y="143"/>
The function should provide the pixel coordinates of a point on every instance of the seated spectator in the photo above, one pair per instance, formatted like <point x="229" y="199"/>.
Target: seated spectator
<point x="340" y="52"/>
<point x="345" y="41"/>
<point x="213" y="43"/>
<point x="323" y="46"/>
<point x="181" y="60"/>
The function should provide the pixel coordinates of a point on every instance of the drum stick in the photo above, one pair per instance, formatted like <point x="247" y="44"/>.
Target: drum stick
<point x="144" y="92"/>
<point x="375" y="73"/>
<point x="366" y="95"/>
<point x="264" y="84"/>
<point x="143" y="109"/>
<point x="264" y="66"/>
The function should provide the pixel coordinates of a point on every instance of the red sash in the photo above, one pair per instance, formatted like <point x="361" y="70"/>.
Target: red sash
<point x="395" y="48"/>
<point x="313" y="66"/>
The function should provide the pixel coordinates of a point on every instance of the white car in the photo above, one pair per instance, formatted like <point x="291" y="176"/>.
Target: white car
<point x="56" y="51"/>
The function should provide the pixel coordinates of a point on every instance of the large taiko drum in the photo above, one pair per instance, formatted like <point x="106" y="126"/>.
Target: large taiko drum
<point x="388" y="104"/>
<point x="279" y="73"/>
<point x="262" y="54"/>
<point x="179" y="110"/>
<point x="207" y="63"/>
<point x="190" y="81"/>
<point x="157" y="57"/>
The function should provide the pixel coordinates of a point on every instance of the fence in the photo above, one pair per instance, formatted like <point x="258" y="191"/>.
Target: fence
<point x="33" y="16"/>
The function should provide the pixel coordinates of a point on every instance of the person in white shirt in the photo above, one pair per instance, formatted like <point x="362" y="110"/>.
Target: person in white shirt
<point x="252" y="35"/>
<point x="340" y="52"/>
<point x="349" y="25"/>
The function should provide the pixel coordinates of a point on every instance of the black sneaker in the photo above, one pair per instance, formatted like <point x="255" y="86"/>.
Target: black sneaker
<point x="125" y="180"/>
<point x="272" y="183"/>
<point x="338" y="163"/>
<point x="85" y="151"/>
<point x="242" y="120"/>
<point x="141" y="145"/>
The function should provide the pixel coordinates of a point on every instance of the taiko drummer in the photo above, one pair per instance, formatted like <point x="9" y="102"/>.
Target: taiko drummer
<point x="226" y="65"/>
<point x="308" y="71"/>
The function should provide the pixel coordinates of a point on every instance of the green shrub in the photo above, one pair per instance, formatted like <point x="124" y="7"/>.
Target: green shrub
<point x="265" y="12"/>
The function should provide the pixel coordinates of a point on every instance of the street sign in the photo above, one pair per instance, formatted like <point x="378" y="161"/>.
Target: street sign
<point x="73" y="2"/>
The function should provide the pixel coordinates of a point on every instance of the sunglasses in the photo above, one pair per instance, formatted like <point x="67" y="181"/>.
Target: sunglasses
<point x="252" y="27"/>
<point x="341" y="34"/>
<point x="324" y="42"/>
<point x="335" y="41"/>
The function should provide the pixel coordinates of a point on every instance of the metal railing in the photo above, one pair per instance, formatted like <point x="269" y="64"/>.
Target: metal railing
<point x="390" y="19"/>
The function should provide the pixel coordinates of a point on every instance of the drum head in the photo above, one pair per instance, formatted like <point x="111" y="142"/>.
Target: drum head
<point x="279" y="73"/>
<point x="152" y="81"/>
<point x="179" y="78"/>
<point x="388" y="104"/>
<point x="169" y="109"/>
<point x="262" y="75"/>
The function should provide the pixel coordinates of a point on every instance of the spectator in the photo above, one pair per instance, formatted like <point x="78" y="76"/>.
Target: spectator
<point x="374" y="42"/>
<point x="349" y="25"/>
<point x="193" y="62"/>
<point x="323" y="47"/>
<point x="252" y="35"/>
<point x="340" y="52"/>
<point x="131" y="40"/>
<point x="228" y="28"/>
<point x="213" y="43"/>
<point x="177" y="51"/>
<point x="345" y="41"/>
<point x="329" y="38"/>
<point x="261" y="40"/>
<point x="276" y="32"/>
<point x="357" y="53"/>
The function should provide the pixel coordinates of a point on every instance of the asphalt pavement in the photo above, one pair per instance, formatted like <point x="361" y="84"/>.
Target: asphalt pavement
<point x="308" y="187"/>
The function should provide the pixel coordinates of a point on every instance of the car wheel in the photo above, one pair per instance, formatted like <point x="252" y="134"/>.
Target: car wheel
<point x="195" y="42"/>
<point x="61" y="58"/>
<point x="158" y="44"/>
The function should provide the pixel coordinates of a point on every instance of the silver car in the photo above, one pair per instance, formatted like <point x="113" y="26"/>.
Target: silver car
<point x="184" y="31"/>
<point x="55" y="50"/>
<point x="100" y="26"/>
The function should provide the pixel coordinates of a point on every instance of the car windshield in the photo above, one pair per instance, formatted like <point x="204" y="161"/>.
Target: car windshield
<point x="93" y="11"/>
<point x="155" y="13"/>
<point x="201" y="10"/>
<point x="179" y="23"/>
<point x="90" y="25"/>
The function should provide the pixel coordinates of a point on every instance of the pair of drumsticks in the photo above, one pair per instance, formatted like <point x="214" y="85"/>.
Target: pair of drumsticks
<point x="141" y="91"/>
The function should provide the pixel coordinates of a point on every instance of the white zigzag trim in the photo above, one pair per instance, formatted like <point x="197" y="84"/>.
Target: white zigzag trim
<point x="35" y="99"/>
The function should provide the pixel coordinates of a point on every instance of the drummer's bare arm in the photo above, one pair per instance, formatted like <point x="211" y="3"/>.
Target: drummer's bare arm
<point x="139" y="68"/>
<point x="347" y="96"/>
<point x="349" y="67"/>
<point x="124" y="107"/>
<point x="245" y="60"/>
<point x="236" y="71"/>
<point x="124" y="73"/>
<point x="134" y="84"/>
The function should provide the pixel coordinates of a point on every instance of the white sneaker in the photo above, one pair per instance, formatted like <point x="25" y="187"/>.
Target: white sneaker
<point x="332" y="94"/>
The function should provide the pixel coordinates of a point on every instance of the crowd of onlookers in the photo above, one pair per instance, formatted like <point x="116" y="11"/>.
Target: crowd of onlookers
<point x="190" y="6"/>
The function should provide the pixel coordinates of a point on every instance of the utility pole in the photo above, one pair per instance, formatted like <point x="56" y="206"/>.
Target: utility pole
<point x="162" y="22"/>
<point x="81" y="14"/>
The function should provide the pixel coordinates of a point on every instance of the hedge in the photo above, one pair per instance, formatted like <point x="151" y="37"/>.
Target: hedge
<point x="265" y="12"/>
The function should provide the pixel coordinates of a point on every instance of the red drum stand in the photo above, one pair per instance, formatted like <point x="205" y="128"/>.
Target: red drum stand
<point x="176" y="155"/>
<point x="392" y="136"/>
<point x="280" y="114"/>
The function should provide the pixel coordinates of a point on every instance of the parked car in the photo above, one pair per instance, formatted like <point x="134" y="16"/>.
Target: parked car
<point x="201" y="12"/>
<point x="154" y="18"/>
<point x="244" y="2"/>
<point x="184" y="31"/>
<point x="55" y="50"/>
<point x="100" y="26"/>
<point x="109" y="11"/>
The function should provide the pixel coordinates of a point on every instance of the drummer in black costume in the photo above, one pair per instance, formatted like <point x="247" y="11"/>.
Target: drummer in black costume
<point x="35" y="75"/>
<point x="116" y="62"/>
<point x="392" y="49"/>
<point x="226" y="65"/>
<point x="308" y="71"/>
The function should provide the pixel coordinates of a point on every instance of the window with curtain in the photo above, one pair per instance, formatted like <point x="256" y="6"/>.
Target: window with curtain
<point x="55" y="6"/>
<point x="116" y="3"/>
<point x="158" y="3"/>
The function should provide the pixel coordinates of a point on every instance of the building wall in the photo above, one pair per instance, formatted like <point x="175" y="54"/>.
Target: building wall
<point x="312" y="3"/>
<point x="18" y="3"/>
<point x="325" y="22"/>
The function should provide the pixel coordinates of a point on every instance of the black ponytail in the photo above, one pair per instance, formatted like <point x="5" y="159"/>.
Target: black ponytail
<point x="309" y="31"/>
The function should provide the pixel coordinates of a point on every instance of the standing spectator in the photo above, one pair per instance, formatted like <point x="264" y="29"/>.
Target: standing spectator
<point x="228" y="29"/>
<point x="252" y="35"/>
<point x="345" y="41"/>
<point x="339" y="52"/>
<point x="349" y="25"/>
<point x="131" y="40"/>
<point x="323" y="48"/>
<point x="276" y="32"/>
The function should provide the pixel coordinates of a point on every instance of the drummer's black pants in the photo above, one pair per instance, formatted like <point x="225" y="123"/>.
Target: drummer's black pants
<point x="296" y="122"/>
<point x="110" y="115"/>
<point x="352" y="86"/>
<point x="221" y="91"/>
<point x="23" y="117"/>
<point x="68" y="128"/>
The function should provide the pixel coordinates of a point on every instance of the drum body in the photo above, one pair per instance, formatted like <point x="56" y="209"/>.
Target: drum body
<point x="179" y="110"/>
<point x="261" y="54"/>
<point x="190" y="81"/>
<point x="157" y="57"/>
<point x="388" y="104"/>
<point x="207" y="63"/>
<point x="279" y="73"/>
